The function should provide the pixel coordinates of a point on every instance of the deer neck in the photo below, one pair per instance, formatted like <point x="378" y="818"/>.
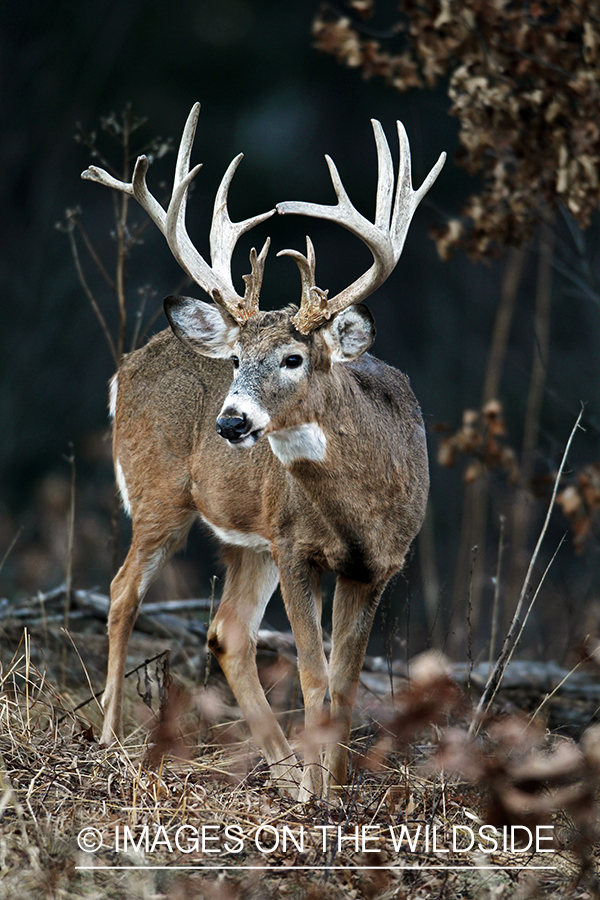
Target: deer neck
<point x="320" y="450"/>
<point x="307" y="437"/>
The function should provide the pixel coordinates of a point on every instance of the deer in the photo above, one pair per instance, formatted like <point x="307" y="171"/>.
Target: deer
<point x="298" y="450"/>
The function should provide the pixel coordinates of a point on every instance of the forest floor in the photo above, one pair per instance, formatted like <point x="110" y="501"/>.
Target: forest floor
<point x="185" y="808"/>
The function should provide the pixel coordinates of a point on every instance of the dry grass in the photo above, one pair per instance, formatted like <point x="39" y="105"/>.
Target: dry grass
<point x="56" y="781"/>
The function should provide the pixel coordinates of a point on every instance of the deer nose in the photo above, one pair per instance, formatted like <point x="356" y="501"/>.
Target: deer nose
<point x="233" y="428"/>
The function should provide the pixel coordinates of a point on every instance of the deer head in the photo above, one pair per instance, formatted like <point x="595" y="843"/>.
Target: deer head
<point x="340" y="326"/>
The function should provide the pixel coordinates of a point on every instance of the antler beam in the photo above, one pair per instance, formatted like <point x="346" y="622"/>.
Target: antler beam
<point x="385" y="237"/>
<point x="215" y="279"/>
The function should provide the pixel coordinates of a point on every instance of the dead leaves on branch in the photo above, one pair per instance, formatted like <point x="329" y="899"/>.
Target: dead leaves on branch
<point x="431" y="699"/>
<point x="528" y="776"/>
<point x="524" y="81"/>
<point x="525" y="778"/>
<point x="580" y="502"/>
<point x="481" y="440"/>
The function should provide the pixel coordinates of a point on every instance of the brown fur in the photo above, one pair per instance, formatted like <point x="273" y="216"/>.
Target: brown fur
<point x="354" y="514"/>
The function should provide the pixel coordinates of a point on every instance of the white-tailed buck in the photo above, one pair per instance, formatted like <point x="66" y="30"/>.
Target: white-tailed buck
<point x="298" y="450"/>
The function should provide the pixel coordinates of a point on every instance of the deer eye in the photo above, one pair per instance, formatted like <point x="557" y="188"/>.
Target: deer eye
<point x="236" y="362"/>
<point x="292" y="362"/>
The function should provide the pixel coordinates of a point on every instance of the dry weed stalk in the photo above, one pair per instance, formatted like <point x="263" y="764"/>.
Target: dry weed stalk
<point x="127" y="235"/>
<point x="516" y="627"/>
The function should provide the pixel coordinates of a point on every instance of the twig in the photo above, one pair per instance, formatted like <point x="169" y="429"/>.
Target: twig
<point x="90" y="296"/>
<point x="469" y="609"/>
<point x="95" y="695"/>
<point x="85" y="671"/>
<point x="92" y="251"/>
<point x="11" y="546"/>
<point x="533" y="599"/>
<point x="496" y="604"/>
<point x="553" y="692"/>
<point x="121" y="232"/>
<point x="139" y="315"/>
<point x="27" y="646"/>
<point x="512" y="636"/>
<point x="69" y="573"/>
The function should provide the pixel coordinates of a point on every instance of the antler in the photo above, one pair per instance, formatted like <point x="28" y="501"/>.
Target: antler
<point x="384" y="238"/>
<point x="224" y="234"/>
<point x="313" y="298"/>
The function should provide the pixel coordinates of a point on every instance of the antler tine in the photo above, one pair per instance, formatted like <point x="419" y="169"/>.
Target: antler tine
<point x="314" y="300"/>
<point x="407" y="199"/>
<point x="384" y="239"/>
<point x="176" y="232"/>
<point x="182" y="166"/>
<point x="224" y="234"/>
<point x="180" y="243"/>
<point x="216" y="279"/>
<point x="385" y="177"/>
<point x="254" y="279"/>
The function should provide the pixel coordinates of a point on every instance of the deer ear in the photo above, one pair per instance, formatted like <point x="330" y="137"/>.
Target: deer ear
<point x="202" y="327"/>
<point x="350" y="333"/>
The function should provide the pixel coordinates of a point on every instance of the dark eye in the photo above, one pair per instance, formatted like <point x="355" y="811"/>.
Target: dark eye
<point x="292" y="362"/>
<point x="236" y="362"/>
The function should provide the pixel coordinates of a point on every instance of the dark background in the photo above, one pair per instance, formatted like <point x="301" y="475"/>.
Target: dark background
<point x="265" y="91"/>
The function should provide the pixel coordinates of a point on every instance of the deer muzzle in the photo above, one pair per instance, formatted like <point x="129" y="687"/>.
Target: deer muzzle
<point x="233" y="428"/>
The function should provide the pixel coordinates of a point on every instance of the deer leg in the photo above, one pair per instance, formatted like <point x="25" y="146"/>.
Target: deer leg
<point x="301" y="590"/>
<point x="249" y="584"/>
<point x="354" y="607"/>
<point x="146" y="559"/>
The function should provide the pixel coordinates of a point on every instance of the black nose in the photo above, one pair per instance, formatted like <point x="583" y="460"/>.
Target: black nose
<point x="233" y="428"/>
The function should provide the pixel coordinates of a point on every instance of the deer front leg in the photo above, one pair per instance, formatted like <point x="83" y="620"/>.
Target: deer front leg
<point x="354" y="607"/>
<point x="301" y="590"/>
<point x="249" y="584"/>
<point x="146" y="559"/>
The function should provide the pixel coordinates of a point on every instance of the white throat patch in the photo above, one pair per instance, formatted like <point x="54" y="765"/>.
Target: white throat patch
<point x="305" y="441"/>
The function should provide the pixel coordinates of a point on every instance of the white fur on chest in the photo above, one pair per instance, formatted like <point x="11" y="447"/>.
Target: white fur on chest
<point x="239" y="538"/>
<point x="305" y="441"/>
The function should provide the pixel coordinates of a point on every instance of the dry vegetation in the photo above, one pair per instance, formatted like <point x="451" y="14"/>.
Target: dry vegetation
<point x="188" y="763"/>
